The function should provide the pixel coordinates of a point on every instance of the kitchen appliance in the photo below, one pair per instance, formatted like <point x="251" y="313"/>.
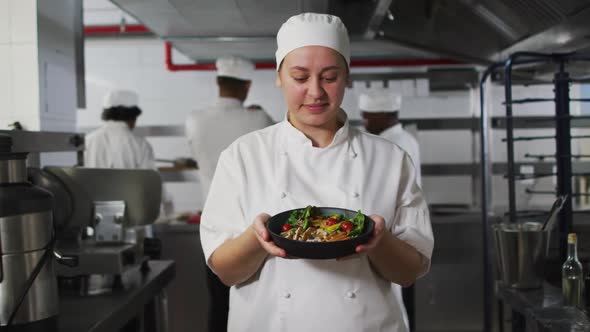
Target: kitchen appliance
<point x="103" y="218"/>
<point x="28" y="287"/>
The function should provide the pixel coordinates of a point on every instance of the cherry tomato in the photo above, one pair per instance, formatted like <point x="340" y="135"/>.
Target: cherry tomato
<point x="286" y="227"/>
<point x="331" y="221"/>
<point x="347" y="226"/>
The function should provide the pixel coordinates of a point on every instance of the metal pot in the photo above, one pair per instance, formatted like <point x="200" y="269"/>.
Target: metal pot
<point x="28" y="286"/>
<point x="521" y="250"/>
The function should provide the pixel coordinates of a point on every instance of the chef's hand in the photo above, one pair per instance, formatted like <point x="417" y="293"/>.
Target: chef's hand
<point x="377" y="235"/>
<point x="264" y="238"/>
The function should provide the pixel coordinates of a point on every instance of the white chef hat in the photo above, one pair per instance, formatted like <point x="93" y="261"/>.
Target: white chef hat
<point x="312" y="29"/>
<point x="379" y="101"/>
<point x="124" y="98"/>
<point x="235" y="67"/>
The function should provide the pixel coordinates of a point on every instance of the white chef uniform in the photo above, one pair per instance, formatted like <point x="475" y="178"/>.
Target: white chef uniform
<point x="211" y="130"/>
<point x="379" y="101"/>
<point x="278" y="169"/>
<point x="407" y="142"/>
<point x="114" y="145"/>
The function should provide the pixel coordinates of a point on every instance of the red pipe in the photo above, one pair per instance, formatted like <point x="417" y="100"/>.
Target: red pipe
<point x="171" y="66"/>
<point x="115" y="29"/>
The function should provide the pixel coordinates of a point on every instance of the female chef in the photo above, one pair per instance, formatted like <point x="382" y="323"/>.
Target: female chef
<point x="314" y="157"/>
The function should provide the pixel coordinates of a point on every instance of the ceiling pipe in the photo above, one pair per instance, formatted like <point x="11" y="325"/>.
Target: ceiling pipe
<point x="171" y="66"/>
<point x="115" y="29"/>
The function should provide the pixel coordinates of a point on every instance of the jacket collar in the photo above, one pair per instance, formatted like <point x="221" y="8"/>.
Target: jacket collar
<point x="116" y="124"/>
<point x="397" y="129"/>
<point x="228" y="103"/>
<point x="295" y="136"/>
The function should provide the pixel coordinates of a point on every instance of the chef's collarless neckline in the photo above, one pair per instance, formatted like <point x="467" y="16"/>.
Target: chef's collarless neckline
<point x="297" y="137"/>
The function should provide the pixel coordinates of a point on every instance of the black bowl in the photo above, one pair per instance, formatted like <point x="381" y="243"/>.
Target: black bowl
<point x="318" y="250"/>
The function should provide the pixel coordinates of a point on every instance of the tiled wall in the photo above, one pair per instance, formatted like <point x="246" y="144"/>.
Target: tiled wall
<point x="37" y="78"/>
<point x="103" y="12"/>
<point x="167" y="97"/>
<point x="586" y="94"/>
<point x="498" y="148"/>
<point x="19" y="95"/>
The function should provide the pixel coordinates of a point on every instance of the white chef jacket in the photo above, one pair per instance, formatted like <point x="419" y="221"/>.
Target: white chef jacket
<point x="278" y="169"/>
<point x="212" y="130"/>
<point x="406" y="141"/>
<point x="114" y="145"/>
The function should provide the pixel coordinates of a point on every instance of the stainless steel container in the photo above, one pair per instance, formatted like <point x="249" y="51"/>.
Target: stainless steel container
<point x="26" y="230"/>
<point x="521" y="250"/>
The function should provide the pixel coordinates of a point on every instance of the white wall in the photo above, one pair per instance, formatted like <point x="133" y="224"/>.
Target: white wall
<point x="19" y="88"/>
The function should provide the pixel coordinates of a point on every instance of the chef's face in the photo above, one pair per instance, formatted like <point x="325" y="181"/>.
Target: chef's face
<point x="313" y="79"/>
<point x="375" y="123"/>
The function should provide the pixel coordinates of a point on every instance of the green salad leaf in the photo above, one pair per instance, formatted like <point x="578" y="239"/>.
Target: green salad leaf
<point x="301" y="217"/>
<point x="295" y="217"/>
<point x="359" y="223"/>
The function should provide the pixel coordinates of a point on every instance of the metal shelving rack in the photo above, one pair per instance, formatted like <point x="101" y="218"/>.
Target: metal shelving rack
<point x="37" y="142"/>
<point x="563" y="156"/>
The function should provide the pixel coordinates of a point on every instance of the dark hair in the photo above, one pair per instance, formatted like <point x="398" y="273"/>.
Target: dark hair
<point x="231" y="82"/>
<point x="121" y="113"/>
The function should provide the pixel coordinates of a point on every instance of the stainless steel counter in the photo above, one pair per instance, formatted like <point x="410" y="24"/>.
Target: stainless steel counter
<point x="450" y="297"/>
<point x="542" y="310"/>
<point x="110" y="312"/>
<point x="187" y="294"/>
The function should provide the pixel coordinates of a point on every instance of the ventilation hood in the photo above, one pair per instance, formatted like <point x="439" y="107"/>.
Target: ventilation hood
<point x="205" y="29"/>
<point x="485" y="31"/>
<point x="474" y="31"/>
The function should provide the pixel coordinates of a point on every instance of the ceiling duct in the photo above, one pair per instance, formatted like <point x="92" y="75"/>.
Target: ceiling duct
<point x="486" y="31"/>
<point x="477" y="31"/>
<point x="205" y="29"/>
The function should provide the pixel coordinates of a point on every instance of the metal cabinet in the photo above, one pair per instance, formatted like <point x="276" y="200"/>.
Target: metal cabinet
<point x="187" y="293"/>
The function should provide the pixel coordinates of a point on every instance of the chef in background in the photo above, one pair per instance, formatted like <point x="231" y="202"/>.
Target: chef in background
<point x="212" y="129"/>
<point x="114" y="145"/>
<point x="209" y="132"/>
<point x="380" y="111"/>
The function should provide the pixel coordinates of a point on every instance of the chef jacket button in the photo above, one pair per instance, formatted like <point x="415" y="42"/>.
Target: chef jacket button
<point x="350" y="295"/>
<point x="355" y="194"/>
<point x="287" y="295"/>
<point x="283" y="194"/>
<point x="284" y="153"/>
<point x="354" y="155"/>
